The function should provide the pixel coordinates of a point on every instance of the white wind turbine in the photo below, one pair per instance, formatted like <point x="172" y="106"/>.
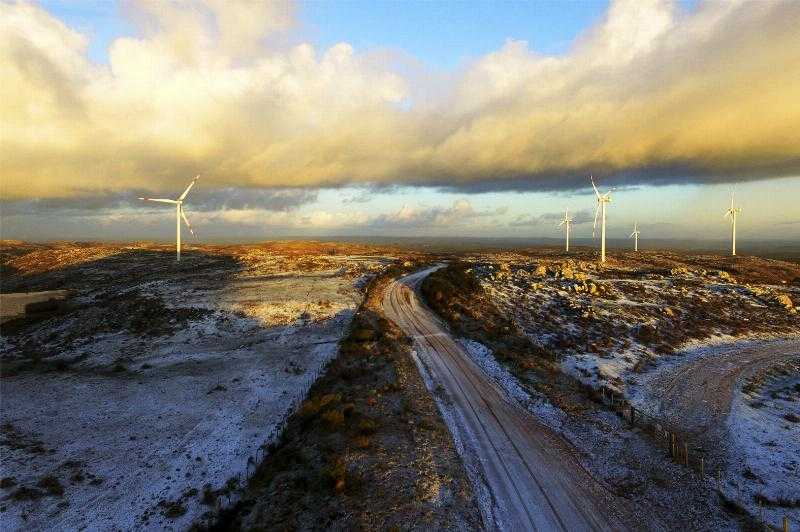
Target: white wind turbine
<point x="566" y="222"/>
<point x="635" y="236"/>
<point x="178" y="214"/>
<point x="733" y="212"/>
<point x="602" y="200"/>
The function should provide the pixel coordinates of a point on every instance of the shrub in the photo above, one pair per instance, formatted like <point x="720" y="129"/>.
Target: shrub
<point x="362" y="442"/>
<point x="51" y="485"/>
<point x="362" y="334"/>
<point x="334" y="419"/>
<point x="209" y="496"/>
<point x="367" y="426"/>
<point x="336" y="473"/>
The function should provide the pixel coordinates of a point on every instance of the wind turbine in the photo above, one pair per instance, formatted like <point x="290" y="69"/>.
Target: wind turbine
<point x="178" y="214"/>
<point x="635" y="236"/>
<point x="733" y="212"/>
<point x="566" y="222"/>
<point x="602" y="200"/>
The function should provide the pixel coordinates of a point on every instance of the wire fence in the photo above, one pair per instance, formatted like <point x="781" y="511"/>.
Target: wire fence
<point x="681" y="450"/>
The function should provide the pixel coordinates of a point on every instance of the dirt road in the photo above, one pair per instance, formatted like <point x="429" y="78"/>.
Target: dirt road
<point x="532" y="474"/>
<point x="697" y="395"/>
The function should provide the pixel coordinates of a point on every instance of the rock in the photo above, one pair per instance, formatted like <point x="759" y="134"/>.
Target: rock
<point x="679" y="271"/>
<point x="725" y="276"/>
<point x="756" y="290"/>
<point x="785" y="301"/>
<point x="668" y="312"/>
<point x="408" y="264"/>
<point x="566" y="273"/>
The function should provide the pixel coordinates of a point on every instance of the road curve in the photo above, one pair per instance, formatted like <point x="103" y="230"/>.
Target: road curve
<point x="697" y="395"/>
<point x="534" y="479"/>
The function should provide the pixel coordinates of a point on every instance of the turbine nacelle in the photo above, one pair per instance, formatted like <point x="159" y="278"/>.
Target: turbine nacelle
<point x="567" y="220"/>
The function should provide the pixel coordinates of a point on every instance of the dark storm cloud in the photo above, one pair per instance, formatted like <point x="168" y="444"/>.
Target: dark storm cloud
<point x="281" y="200"/>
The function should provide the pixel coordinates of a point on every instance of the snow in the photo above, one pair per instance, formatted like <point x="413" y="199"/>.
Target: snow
<point x="768" y="444"/>
<point x="536" y="404"/>
<point x="192" y="408"/>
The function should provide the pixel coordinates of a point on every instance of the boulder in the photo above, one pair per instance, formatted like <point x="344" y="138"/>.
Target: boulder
<point x="566" y="273"/>
<point x="784" y="300"/>
<point x="725" y="276"/>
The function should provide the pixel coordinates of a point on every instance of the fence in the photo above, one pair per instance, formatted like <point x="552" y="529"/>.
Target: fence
<point x="679" y="448"/>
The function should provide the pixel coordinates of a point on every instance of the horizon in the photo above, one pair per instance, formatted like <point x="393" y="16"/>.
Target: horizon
<point x="469" y="120"/>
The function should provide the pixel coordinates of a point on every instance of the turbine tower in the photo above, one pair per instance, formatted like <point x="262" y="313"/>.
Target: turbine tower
<point x="566" y="222"/>
<point x="733" y="212"/>
<point x="178" y="214"/>
<point x="602" y="201"/>
<point x="635" y="236"/>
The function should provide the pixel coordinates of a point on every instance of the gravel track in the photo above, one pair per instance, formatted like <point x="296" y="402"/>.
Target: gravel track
<point x="534" y="478"/>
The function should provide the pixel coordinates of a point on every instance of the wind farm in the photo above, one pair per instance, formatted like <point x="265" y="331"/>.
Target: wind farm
<point x="406" y="300"/>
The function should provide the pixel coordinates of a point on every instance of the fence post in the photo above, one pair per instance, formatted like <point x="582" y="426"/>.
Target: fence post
<point x="785" y="524"/>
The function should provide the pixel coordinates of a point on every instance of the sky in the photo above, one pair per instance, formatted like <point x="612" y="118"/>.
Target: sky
<point x="478" y="119"/>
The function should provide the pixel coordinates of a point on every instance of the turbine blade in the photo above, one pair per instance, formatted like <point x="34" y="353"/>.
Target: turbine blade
<point x="185" y="192"/>
<point x="594" y="187"/>
<point x="562" y="223"/>
<point x="632" y="234"/>
<point x="186" y="221"/>
<point x="160" y="200"/>
<point x="596" y="213"/>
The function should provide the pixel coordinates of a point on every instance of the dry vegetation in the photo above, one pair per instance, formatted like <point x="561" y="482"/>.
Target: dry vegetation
<point x="366" y="451"/>
<point x="637" y="308"/>
<point x="562" y="325"/>
<point x="190" y="366"/>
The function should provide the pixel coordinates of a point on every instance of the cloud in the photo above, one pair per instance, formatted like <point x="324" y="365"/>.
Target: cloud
<point x="580" y="217"/>
<point x="650" y="95"/>
<point x="459" y="213"/>
<point x="280" y="200"/>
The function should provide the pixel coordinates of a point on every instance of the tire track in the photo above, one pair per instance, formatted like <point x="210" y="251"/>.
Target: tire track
<point x="531" y="472"/>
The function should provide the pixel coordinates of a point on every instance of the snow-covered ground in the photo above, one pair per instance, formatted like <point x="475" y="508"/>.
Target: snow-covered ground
<point x="649" y="333"/>
<point x="144" y="429"/>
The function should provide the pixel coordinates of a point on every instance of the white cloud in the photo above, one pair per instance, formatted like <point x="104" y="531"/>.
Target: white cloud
<point x="651" y="92"/>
